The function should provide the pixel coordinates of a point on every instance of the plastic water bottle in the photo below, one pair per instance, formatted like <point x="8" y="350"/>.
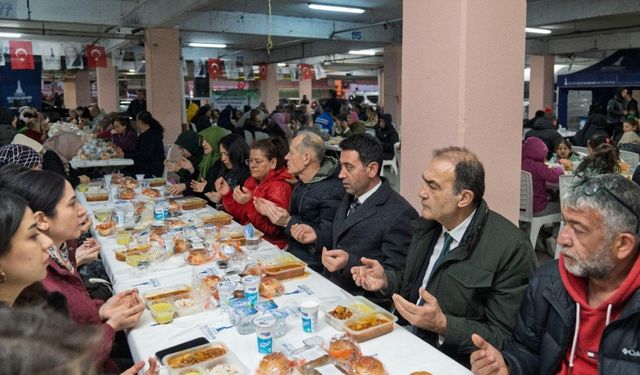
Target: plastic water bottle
<point x="158" y="211"/>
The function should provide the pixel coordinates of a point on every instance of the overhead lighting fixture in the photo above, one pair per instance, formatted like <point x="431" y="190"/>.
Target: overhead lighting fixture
<point x="207" y="45"/>
<point x="132" y="70"/>
<point x="282" y="64"/>
<point x="335" y="8"/>
<point x="10" y="35"/>
<point x="363" y="52"/>
<point x="535" y="30"/>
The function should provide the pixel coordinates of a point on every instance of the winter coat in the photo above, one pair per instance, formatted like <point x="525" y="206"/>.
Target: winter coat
<point x="126" y="141"/>
<point x="149" y="154"/>
<point x="7" y="132"/>
<point x="543" y="128"/>
<point x="388" y="136"/>
<point x="274" y="188"/>
<point x="533" y="157"/>
<point x="479" y="285"/>
<point x="544" y="333"/>
<point x="380" y="229"/>
<point x="596" y="125"/>
<point x="315" y="203"/>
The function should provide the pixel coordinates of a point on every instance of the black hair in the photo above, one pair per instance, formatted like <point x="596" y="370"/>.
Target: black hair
<point x="367" y="146"/>
<point x="12" y="209"/>
<point x="272" y="148"/>
<point x="388" y="120"/>
<point x="597" y="140"/>
<point x="539" y="113"/>
<point x="42" y="190"/>
<point x="236" y="147"/>
<point x="147" y="118"/>
<point x="124" y="120"/>
<point x="6" y="117"/>
<point x="565" y="142"/>
<point x="603" y="159"/>
<point x="469" y="171"/>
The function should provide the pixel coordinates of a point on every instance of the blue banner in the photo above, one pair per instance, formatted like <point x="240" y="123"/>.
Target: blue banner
<point x="20" y="87"/>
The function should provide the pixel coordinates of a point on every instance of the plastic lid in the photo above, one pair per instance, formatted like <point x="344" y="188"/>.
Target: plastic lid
<point x="265" y="321"/>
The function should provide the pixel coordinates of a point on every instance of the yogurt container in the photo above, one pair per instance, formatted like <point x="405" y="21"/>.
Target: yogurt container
<point x="264" y="332"/>
<point x="251" y="286"/>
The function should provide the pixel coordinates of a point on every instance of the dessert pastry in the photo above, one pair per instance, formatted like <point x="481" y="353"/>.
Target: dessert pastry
<point x="368" y="366"/>
<point x="179" y="246"/>
<point x="106" y="228"/>
<point x="127" y="194"/>
<point x="151" y="193"/>
<point x="274" y="364"/>
<point x="271" y="287"/>
<point x="344" y="350"/>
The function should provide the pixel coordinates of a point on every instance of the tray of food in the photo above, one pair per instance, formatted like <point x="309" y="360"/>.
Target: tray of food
<point x="106" y="228"/>
<point x="151" y="192"/>
<point x="126" y="193"/>
<point x="191" y="203"/>
<point x="156" y="182"/>
<point x="197" y="356"/>
<point x="98" y="196"/>
<point x="123" y="252"/>
<point x="338" y="312"/>
<point x="370" y="326"/>
<point x="166" y="292"/>
<point x="218" y="218"/>
<point x="283" y="266"/>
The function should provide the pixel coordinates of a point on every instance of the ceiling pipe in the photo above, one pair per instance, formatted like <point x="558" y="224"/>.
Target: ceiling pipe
<point x="369" y="26"/>
<point x="72" y="33"/>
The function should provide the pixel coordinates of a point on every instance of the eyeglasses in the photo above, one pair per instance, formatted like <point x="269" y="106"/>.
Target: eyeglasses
<point x="254" y="161"/>
<point x="591" y="187"/>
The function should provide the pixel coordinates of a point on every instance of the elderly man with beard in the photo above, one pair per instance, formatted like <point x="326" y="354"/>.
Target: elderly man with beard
<point x="581" y="314"/>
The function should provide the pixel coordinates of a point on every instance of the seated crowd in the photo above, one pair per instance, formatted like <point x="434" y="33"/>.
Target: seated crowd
<point x="459" y="275"/>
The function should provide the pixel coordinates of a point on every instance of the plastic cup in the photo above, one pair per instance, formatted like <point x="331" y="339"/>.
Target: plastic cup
<point x="107" y="181"/>
<point x="264" y="332"/>
<point x="162" y="312"/>
<point x="123" y="237"/>
<point x="251" y="284"/>
<point x="309" y="310"/>
<point x="252" y="243"/>
<point x="140" y="177"/>
<point x="225" y="292"/>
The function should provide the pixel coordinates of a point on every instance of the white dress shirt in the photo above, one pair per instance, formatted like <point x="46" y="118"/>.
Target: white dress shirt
<point x="369" y="193"/>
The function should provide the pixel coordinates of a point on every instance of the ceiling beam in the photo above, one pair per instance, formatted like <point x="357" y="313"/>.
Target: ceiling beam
<point x="546" y="12"/>
<point x="581" y="43"/>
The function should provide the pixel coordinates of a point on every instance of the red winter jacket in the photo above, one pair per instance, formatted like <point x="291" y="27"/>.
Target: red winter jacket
<point x="274" y="188"/>
<point x="82" y="309"/>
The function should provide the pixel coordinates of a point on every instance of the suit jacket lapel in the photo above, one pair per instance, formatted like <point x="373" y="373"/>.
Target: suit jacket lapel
<point x="366" y="210"/>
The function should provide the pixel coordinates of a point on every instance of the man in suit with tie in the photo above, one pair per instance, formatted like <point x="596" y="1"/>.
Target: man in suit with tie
<point x="372" y="220"/>
<point x="468" y="267"/>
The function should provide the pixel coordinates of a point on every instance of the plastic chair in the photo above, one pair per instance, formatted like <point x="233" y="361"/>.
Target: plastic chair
<point x="630" y="158"/>
<point x="526" y="208"/>
<point x="248" y="137"/>
<point x="261" y="135"/>
<point x="393" y="163"/>
<point x="565" y="183"/>
<point x="580" y="150"/>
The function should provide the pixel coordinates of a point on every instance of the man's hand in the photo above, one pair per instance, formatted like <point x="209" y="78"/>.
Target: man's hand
<point x="198" y="186"/>
<point x="303" y="233"/>
<point x="428" y="316"/>
<point x="370" y="276"/>
<point x="334" y="260"/>
<point x="276" y="214"/>
<point x="153" y="369"/>
<point x="487" y="360"/>
<point x="87" y="252"/>
<point x="241" y="195"/>
<point x="222" y="187"/>
<point x="177" y="189"/>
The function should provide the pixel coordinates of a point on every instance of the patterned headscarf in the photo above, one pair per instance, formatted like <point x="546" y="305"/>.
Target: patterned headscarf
<point x="15" y="154"/>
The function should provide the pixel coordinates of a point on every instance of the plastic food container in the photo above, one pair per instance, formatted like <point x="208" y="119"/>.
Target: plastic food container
<point x="162" y="311"/>
<point x="202" y="356"/>
<point x="284" y="266"/>
<point x="154" y="182"/>
<point x="99" y="196"/>
<point x="357" y="306"/>
<point x="186" y="304"/>
<point x="194" y="203"/>
<point x="370" y="326"/>
<point x="167" y="292"/>
<point x="219" y="218"/>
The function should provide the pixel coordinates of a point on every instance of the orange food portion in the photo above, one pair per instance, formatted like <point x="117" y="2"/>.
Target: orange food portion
<point x="341" y="312"/>
<point x="192" y="358"/>
<point x="152" y="193"/>
<point x="367" y="322"/>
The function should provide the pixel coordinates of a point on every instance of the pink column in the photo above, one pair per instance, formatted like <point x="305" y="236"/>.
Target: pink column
<point x="77" y="92"/>
<point x="392" y="81"/>
<point x="163" y="70"/>
<point x="462" y="84"/>
<point x="540" y="83"/>
<point x="269" y="88"/>
<point x="304" y="88"/>
<point x="108" y="97"/>
<point x="69" y="87"/>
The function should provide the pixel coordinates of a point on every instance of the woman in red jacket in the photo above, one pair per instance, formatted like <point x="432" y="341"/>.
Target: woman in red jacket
<point x="61" y="217"/>
<point x="269" y="180"/>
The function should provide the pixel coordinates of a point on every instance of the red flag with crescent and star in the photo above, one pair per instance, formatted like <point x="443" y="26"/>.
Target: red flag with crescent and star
<point x="215" y="68"/>
<point x="306" y="72"/>
<point x="96" y="56"/>
<point x="263" y="72"/>
<point x="21" y="55"/>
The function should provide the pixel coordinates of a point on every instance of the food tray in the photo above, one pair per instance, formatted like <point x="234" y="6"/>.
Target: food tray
<point x="373" y="331"/>
<point x="219" y="218"/>
<point x="155" y="182"/>
<point x="284" y="266"/>
<point x="202" y="355"/>
<point x="193" y="203"/>
<point x="166" y="292"/>
<point x="358" y="305"/>
<point x="229" y="359"/>
<point x="99" y="196"/>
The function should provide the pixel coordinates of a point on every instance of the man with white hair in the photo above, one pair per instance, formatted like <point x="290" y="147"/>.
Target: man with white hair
<point x="581" y="313"/>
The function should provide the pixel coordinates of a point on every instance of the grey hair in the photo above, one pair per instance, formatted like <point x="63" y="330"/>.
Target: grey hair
<point x="312" y="142"/>
<point x="616" y="218"/>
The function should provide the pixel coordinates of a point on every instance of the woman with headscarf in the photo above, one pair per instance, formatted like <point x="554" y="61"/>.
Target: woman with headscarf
<point x="202" y="119"/>
<point x="225" y="119"/>
<point x="25" y="156"/>
<point x="190" y="144"/>
<point x="59" y="150"/>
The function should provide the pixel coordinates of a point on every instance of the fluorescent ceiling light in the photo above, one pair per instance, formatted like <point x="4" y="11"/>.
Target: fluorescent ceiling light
<point x="535" y="30"/>
<point x="335" y="8"/>
<point x="365" y="52"/>
<point x="10" y="35"/>
<point x="132" y="70"/>
<point x="282" y="64"/>
<point x="207" y="45"/>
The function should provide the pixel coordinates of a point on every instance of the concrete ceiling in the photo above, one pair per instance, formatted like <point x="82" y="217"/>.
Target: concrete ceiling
<point x="581" y="29"/>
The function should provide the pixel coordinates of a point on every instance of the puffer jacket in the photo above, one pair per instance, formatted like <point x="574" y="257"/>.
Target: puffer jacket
<point x="545" y="330"/>
<point x="533" y="156"/>
<point x="274" y="188"/>
<point x="315" y="204"/>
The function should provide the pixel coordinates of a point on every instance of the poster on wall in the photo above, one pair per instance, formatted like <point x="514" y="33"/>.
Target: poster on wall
<point x="234" y="98"/>
<point x="50" y="53"/>
<point x="72" y="56"/>
<point x="20" y="87"/>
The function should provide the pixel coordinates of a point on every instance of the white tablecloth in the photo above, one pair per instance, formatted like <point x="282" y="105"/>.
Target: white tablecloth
<point x="77" y="163"/>
<point x="400" y="351"/>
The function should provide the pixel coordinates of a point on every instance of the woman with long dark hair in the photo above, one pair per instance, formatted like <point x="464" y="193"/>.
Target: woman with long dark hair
<point x="148" y="155"/>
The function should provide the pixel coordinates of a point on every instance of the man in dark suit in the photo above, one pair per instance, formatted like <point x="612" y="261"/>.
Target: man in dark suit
<point x="372" y="220"/>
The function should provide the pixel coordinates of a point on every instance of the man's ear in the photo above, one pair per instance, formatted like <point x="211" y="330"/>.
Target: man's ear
<point x="42" y="222"/>
<point x="624" y="245"/>
<point x="372" y="169"/>
<point x="466" y="198"/>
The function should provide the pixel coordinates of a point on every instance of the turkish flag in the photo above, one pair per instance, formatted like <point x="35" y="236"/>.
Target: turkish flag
<point x="263" y="72"/>
<point x="215" y="67"/>
<point x="96" y="57"/>
<point x="21" y="55"/>
<point x="306" y="72"/>
<point x="241" y="85"/>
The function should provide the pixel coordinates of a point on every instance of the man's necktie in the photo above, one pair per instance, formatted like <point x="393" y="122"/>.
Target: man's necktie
<point x="445" y="251"/>
<point x="354" y="205"/>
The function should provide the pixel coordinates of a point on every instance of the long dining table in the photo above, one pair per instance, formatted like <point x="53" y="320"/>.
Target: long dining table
<point x="400" y="351"/>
